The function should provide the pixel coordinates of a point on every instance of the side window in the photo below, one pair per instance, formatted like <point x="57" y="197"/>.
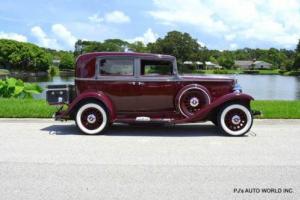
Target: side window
<point x="116" y="67"/>
<point x="156" y="68"/>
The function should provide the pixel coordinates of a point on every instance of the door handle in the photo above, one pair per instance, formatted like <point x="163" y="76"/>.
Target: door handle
<point x="141" y="83"/>
<point x="132" y="83"/>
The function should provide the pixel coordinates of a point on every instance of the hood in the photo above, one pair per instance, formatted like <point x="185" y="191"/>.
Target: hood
<point x="212" y="78"/>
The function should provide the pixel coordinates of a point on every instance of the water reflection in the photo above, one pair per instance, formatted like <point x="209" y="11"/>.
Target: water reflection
<point x="271" y="87"/>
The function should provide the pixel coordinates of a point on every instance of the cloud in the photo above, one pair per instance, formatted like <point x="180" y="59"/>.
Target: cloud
<point x="43" y="39"/>
<point x="148" y="37"/>
<point x="191" y="12"/>
<point x="233" y="46"/>
<point x="96" y="18"/>
<point x="64" y="35"/>
<point x="13" y="36"/>
<point x="117" y="17"/>
<point x="61" y="37"/>
<point x="271" y="21"/>
<point x="230" y="37"/>
<point x="202" y="44"/>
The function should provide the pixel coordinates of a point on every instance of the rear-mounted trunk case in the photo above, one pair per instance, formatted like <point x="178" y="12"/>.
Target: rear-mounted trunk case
<point x="60" y="94"/>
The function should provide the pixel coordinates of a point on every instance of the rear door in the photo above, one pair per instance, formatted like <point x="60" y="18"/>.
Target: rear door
<point x="117" y="79"/>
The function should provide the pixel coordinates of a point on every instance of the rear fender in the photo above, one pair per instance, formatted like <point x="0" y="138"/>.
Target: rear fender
<point x="232" y="97"/>
<point x="98" y="96"/>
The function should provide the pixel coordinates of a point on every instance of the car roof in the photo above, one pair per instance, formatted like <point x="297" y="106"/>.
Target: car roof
<point x="125" y="54"/>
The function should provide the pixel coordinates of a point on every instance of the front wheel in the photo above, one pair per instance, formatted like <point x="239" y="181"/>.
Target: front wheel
<point x="91" y="118"/>
<point x="235" y="120"/>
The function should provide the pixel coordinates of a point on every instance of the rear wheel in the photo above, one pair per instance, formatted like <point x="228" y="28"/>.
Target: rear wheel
<point x="235" y="120"/>
<point x="91" y="118"/>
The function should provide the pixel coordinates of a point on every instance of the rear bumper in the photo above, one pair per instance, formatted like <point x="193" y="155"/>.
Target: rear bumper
<point x="60" y="115"/>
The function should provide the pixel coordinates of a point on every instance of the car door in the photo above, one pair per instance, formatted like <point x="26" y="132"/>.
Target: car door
<point x="117" y="80"/>
<point x="157" y="86"/>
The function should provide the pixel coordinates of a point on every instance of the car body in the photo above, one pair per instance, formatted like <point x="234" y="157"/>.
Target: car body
<point x="145" y="88"/>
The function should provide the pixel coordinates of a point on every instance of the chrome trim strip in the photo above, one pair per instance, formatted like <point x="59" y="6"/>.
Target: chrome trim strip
<point x="57" y="89"/>
<point x="175" y="79"/>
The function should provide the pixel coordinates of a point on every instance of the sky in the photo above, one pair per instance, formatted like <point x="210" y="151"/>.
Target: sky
<point x="216" y="24"/>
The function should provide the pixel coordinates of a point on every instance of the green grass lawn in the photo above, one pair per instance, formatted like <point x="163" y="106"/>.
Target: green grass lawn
<point x="25" y="108"/>
<point x="31" y="108"/>
<point x="278" y="109"/>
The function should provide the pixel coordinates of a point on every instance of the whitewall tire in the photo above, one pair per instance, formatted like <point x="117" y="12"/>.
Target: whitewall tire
<point x="91" y="118"/>
<point x="235" y="120"/>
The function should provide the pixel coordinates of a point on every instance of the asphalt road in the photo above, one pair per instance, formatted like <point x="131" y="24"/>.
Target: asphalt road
<point x="42" y="159"/>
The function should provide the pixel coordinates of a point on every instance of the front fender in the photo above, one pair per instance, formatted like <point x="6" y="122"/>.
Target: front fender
<point x="99" y="96"/>
<point x="202" y="114"/>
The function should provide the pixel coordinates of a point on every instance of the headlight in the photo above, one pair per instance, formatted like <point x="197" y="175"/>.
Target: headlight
<point x="237" y="88"/>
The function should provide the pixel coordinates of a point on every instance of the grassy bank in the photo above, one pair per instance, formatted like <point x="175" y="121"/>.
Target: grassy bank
<point x="25" y="108"/>
<point x="30" y="108"/>
<point x="278" y="109"/>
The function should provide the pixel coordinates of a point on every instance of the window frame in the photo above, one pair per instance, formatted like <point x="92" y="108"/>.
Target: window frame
<point x="173" y="62"/>
<point x="100" y="76"/>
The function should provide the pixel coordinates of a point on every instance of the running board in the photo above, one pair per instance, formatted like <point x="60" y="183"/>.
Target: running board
<point x="145" y="119"/>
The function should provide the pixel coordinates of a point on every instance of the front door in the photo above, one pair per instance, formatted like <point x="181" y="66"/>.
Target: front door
<point x="157" y="86"/>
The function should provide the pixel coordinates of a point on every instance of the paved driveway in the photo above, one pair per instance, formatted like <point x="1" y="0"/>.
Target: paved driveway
<point x="42" y="159"/>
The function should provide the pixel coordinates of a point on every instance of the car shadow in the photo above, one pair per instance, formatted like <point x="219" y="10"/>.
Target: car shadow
<point x="190" y="130"/>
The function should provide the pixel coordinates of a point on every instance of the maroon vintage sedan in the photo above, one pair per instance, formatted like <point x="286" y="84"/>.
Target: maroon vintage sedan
<point x="136" y="87"/>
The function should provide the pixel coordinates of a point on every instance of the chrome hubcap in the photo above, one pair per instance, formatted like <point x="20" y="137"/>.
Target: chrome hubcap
<point x="194" y="102"/>
<point x="236" y="120"/>
<point x="91" y="119"/>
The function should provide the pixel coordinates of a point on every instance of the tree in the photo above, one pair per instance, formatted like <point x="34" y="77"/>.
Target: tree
<point x="213" y="59"/>
<point x="226" y="61"/>
<point x="23" y="56"/>
<point x="296" y="65"/>
<point x="298" y="47"/>
<point x="138" y="47"/>
<point x="180" y="45"/>
<point x="110" y="45"/>
<point x="67" y="61"/>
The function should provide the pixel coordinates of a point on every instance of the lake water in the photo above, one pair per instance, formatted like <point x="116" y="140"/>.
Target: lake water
<point x="271" y="87"/>
<point x="261" y="87"/>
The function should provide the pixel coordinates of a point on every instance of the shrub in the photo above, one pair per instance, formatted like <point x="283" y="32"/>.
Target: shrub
<point x="217" y="71"/>
<point x="11" y="87"/>
<point x="293" y="73"/>
<point x="53" y="70"/>
<point x="282" y="72"/>
<point x="251" y="72"/>
<point x="199" y="71"/>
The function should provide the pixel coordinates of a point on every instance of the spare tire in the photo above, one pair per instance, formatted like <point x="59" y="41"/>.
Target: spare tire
<point x="191" y="99"/>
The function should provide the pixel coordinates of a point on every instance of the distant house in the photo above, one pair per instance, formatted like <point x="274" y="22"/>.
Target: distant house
<point x="247" y="64"/>
<point x="56" y="62"/>
<point x="210" y="65"/>
<point x="200" y="65"/>
<point x="262" y="65"/>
